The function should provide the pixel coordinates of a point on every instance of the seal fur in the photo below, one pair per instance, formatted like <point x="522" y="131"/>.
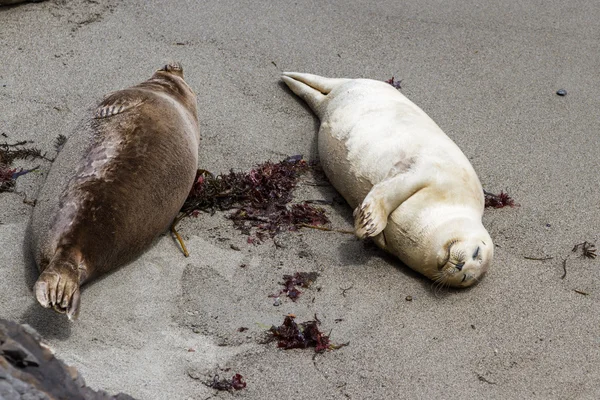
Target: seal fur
<point x="411" y="187"/>
<point x="117" y="184"/>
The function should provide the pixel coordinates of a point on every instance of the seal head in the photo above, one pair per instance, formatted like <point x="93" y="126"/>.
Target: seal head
<point x="465" y="258"/>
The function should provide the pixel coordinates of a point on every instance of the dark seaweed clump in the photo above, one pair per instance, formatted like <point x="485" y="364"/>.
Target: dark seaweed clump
<point x="235" y="383"/>
<point x="10" y="153"/>
<point x="302" y="279"/>
<point x="588" y="249"/>
<point x="498" y="200"/>
<point x="260" y="198"/>
<point x="291" y="335"/>
<point x="7" y="181"/>
<point x="395" y="83"/>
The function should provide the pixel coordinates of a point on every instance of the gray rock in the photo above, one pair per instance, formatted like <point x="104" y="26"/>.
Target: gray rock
<point x="15" y="2"/>
<point x="29" y="371"/>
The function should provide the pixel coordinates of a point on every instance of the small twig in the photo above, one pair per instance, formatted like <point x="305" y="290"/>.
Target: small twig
<point x="315" y="183"/>
<point x="31" y="203"/>
<point x="564" y="269"/>
<point x="483" y="379"/>
<point x="346" y="289"/>
<point x="178" y="219"/>
<point x="322" y="228"/>
<point x="179" y="238"/>
<point x="537" y="258"/>
<point x="325" y="202"/>
<point x="581" y="292"/>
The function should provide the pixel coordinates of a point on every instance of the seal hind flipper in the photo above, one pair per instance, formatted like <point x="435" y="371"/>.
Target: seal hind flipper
<point x="320" y="83"/>
<point x="311" y="88"/>
<point x="117" y="103"/>
<point x="58" y="285"/>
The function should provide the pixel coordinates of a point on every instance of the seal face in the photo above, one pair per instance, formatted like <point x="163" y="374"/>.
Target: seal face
<point x="117" y="184"/>
<point x="412" y="188"/>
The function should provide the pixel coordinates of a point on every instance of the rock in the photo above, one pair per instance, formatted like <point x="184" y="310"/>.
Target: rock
<point x="29" y="370"/>
<point x="14" y="2"/>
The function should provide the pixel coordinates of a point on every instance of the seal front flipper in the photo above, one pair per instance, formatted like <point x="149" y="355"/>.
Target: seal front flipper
<point x="371" y="216"/>
<point x="117" y="103"/>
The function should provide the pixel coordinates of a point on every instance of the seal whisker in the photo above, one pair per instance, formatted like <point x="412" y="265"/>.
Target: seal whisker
<point x="439" y="284"/>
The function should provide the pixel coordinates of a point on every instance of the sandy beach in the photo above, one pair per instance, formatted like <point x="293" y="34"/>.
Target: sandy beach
<point x="486" y="73"/>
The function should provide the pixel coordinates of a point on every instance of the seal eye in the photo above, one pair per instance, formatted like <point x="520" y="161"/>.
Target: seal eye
<point x="476" y="252"/>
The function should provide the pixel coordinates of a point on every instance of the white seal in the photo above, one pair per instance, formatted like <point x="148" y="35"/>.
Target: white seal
<point x="412" y="188"/>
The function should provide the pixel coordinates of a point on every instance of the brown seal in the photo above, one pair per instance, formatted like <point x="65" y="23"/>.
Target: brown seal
<point x="117" y="184"/>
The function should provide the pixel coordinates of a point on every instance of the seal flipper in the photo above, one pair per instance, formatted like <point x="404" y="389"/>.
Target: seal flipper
<point x="311" y="88"/>
<point x="58" y="285"/>
<point x="371" y="216"/>
<point x="117" y="103"/>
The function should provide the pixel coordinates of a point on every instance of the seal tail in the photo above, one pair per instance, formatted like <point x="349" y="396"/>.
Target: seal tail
<point x="311" y="88"/>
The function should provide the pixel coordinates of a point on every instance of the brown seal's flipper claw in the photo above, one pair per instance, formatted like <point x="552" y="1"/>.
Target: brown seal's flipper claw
<point x="41" y="294"/>
<point x="45" y="288"/>
<point x="73" y="309"/>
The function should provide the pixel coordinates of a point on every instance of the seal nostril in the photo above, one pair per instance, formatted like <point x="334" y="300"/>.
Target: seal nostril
<point x="460" y="266"/>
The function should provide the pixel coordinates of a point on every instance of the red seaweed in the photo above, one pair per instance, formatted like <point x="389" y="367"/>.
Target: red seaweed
<point x="302" y="279"/>
<point x="291" y="335"/>
<point x="395" y="83"/>
<point x="498" y="200"/>
<point x="236" y="383"/>
<point x="7" y="183"/>
<point x="10" y="153"/>
<point x="259" y="197"/>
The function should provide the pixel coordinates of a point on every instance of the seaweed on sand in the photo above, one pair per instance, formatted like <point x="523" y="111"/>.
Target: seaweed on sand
<point x="10" y="153"/>
<point x="259" y="197"/>
<point x="498" y="200"/>
<point x="236" y="382"/>
<point x="588" y="249"/>
<point x="395" y="83"/>
<point x="302" y="279"/>
<point x="292" y="335"/>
